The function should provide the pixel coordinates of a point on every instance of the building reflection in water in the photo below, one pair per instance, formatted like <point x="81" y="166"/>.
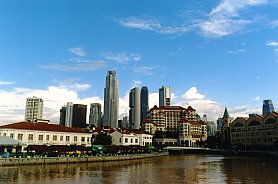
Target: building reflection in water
<point x="171" y="169"/>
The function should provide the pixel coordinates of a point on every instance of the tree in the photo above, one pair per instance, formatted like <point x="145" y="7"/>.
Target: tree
<point x="103" y="139"/>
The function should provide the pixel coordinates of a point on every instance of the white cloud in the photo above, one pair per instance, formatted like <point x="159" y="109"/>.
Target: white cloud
<point x="12" y="103"/>
<point x="79" y="51"/>
<point x="274" y="23"/>
<point x="193" y="94"/>
<point x="272" y="43"/>
<point x="152" y="25"/>
<point x="6" y="82"/>
<point x="144" y="70"/>
<point x="72" y="84"/>
<point x="137" y="83"/>
<point x="122" y="58"/>
<point x="76" y="67"/>
<point x="224" y="19"/>
<point x="238" y="51"/>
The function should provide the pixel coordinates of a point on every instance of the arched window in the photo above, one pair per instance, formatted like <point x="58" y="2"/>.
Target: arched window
<point x="270" y="121"/>
<point x="254" y="123"/>
<point x="238" y="124"/>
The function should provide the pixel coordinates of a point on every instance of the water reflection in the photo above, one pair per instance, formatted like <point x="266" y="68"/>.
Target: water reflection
<point x="171" y="169"/>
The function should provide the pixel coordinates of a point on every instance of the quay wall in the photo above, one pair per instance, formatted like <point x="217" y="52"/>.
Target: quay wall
<point x="59" y="160"/>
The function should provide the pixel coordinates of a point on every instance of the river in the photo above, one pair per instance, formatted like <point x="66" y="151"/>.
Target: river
<point x="168" y="169"/>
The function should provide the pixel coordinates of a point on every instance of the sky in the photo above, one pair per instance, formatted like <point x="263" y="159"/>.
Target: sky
<point x="213" y="54"/>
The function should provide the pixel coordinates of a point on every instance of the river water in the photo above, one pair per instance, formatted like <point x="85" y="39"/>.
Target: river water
<point x="168" y="169"/>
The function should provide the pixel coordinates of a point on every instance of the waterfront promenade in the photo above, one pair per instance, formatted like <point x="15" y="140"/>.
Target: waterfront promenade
<point x="81" y="159"/>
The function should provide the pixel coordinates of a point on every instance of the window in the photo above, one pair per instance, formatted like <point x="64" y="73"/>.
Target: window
<point x="40" y="137"/>
<point x="136" y="140"/>
<point x="4" y="134"/>
<point x="61" y="138"/>
<point x="120" y="140"/>
<point x="20" y="137"/>
<point x="30" y="137"/>
<point x="12" y="135"/>
<point x="82" y="139"/>
<point x="67" y="138"/>
<point x="88" y="139"/>
<point x="47" y="137"/>
<point x="131" y="140"/>
<point x="126" y="140"/>
<point x="75" y="138"/>
<point x="54" y="137"/>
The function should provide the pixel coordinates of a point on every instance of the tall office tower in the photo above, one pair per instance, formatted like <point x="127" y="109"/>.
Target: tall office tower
<point x="144" y="103"/>
<point x="79" y="116"/>
<point x="134" y="108"/>
<point x="95" y="115"/>
<point x="34" y="109"/>
<point x="69" y="113"/>
<point x="63" y="115"/>
<point x="267" y="107"/>
<point x="164" y="96"/>
<point x="111" y="100"/>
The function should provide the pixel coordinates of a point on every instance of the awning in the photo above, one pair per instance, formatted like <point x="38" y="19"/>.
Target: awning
<point x="8" y="141"/>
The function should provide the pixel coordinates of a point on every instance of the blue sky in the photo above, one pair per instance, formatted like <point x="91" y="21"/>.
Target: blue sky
<point x="212" y="53"/>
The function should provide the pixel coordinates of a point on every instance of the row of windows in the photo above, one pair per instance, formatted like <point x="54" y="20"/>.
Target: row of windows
<point x="41" y="137"/>
<point x="126" y="140"/>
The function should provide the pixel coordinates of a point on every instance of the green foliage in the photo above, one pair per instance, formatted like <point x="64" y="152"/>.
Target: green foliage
<point x="103" y="139"/>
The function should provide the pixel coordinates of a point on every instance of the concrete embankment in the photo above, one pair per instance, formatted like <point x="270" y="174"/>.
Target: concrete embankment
<point x="58" y="160"/>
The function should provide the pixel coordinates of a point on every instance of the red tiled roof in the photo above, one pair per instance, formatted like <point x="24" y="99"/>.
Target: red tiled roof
<point x="196" y="123"/>
<point x="189" y="108"/>
<point x="42" y="127"/>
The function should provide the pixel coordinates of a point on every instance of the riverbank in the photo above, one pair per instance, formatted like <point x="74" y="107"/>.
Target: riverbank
<point x="224" y="152"/>
<point x="60" y="160"/>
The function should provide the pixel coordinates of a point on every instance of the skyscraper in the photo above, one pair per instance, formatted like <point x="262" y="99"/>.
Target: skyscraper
<point x="111" y="100"/>
<point x="69" y="113"/>
<point x="63" y="111"/>
<point x="95" y="115"/>
<point x="164" y="96"/>
<point x="34" y="109"/>
<point x="74" y="115"/>
<point x="134" y="108"/>
<point x="267" y="107"/>
<point x="79" y="116"/>
<point x="144" y="103"/>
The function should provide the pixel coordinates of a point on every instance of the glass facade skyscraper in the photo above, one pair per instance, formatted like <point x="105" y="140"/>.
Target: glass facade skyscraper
<point x="144" y="103"/>
<point x="267" y="107"/>
<point x="111" y="101"/>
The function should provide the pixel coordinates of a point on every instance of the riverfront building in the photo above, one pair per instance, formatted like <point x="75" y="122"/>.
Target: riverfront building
<point x="255" y="130"/>
<point x="131" y="138"/>
<point x="111" y="100"/>
<point x="164" y="96"/>
<point x="134" y="108"/>
<point x="44" y="133"/>
<point x="34" y="109"/>
<point x="95" y="115"/>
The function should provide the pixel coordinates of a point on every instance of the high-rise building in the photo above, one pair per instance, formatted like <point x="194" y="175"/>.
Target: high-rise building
<point x="111" y="100"/>
<point x="267" y="107"/>
<point x="63" y="111"/>
<point x="69" y="113"/>
<point x="34" y="109"/>
<point x="79" y="116"/>
<point x="164" y="96"/>
<point x="144" y="103"/>
<point x="134" y="108"/>
<point x="95" y="115"/>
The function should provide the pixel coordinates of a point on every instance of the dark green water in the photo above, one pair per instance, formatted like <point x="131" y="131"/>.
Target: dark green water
<point x="170" y="169"/>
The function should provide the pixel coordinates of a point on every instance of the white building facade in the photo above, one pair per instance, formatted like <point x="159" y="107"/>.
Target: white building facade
<point x="41" y="133"/>
<point x="129" y="138"/>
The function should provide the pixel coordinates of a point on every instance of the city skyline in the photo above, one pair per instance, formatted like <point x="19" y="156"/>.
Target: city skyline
<point x="212" y="54"/>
